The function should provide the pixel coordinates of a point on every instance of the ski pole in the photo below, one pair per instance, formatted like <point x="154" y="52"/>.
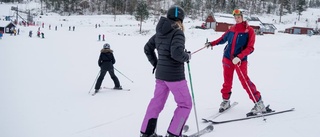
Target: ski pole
<point x="94" y="82"/>
<point x="255" y="101"/>
<point x="193" y="100"/>
<point x="124" y="75"/>
<point x="199" y="49"/>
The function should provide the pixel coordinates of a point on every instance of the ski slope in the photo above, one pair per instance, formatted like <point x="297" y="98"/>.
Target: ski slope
<point x="44" y="83"/>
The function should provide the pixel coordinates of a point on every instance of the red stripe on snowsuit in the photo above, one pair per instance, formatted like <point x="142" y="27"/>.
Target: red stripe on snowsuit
<point x="228" y="70"/>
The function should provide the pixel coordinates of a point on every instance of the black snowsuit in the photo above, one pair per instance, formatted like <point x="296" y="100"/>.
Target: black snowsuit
<point x="105" y="62"/>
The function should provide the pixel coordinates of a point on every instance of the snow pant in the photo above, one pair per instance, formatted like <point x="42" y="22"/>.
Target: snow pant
<point x="112" y="75"/>
<point x="247" y="84"/>
<point x="182" y="97"/>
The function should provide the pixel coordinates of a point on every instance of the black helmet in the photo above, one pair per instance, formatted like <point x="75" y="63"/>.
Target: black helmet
<point x="175" y="13"/>
<point x="106" y="46"/>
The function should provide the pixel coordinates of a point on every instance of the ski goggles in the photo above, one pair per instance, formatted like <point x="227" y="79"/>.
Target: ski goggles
<point x="236" y="12"/>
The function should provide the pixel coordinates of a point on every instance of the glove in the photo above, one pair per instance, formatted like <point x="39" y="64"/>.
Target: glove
<point x="236" y="60"/>
<point x="207" y="44"/>
<point x="189" y="54"/>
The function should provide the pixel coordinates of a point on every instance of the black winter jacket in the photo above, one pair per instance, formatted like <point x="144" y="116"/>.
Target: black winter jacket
<point x="106" y="59"/>
<point x="169" y="41"/>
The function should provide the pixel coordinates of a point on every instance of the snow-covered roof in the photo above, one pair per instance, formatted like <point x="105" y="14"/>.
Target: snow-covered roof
<point x="224" y="18"/>
<point x="255" y="23"/>
<point x="4" y="23"/>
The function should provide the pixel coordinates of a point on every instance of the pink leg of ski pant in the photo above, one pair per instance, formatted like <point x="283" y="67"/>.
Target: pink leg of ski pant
<point x="182" y="97"/>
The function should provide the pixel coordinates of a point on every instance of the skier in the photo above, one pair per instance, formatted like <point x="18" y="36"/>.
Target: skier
<point x="99" y="37"/>
<point x="105" y="62"/>
<point x="169" y="41"/>
<point x="30" y="33"/>
<point x="42" y="35"/>
<point x="241" y="38"/>
<point x="103" y="37"/>
<point x="1" y="34"/>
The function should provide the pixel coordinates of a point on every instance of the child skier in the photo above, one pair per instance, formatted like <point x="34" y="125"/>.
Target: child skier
<point x="105" y="62"/>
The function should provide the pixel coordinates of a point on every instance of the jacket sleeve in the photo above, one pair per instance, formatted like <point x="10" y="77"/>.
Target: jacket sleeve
<point x="250" y="46"/>
<point x="178" y="46"/>
<point x="223" y="39"/>
<point x="113" y="60"/>
<point x="149" y="50"/>
<point x="100" y="60"/>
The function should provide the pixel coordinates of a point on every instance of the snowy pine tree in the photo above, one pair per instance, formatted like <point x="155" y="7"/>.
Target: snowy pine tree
<point x="142" y="12"/>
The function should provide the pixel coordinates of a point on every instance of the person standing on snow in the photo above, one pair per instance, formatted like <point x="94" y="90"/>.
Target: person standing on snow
<point x="105" y="62"/>
<point x="1" y="34"/>
<point x="169" y="41"/>
<point x="240" y="38"/>
<point x="30" y="33"/>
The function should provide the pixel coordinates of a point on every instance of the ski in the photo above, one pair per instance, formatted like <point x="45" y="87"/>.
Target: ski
<point x="124" y="89"/>
<point x="205" y="120"/>
<point x="93" y="94"/>
<point x="201" y="132"/>
<point x="206" y="130"/>
<point x="107" y="88"/>
<point x="251" y="117"/>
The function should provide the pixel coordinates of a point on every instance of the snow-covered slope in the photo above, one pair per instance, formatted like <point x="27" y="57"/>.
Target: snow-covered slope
<point x="44" y="83"/>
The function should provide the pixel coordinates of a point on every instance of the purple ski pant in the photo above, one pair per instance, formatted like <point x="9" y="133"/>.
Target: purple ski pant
<point x="182" y="97"/>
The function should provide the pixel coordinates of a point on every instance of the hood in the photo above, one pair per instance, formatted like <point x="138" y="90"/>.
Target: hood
<point x="165" y="26"/>
<point x="106" y="50"/>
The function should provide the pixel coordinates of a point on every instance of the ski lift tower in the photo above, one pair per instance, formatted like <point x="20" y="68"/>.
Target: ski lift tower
<point x="29" y="15"/>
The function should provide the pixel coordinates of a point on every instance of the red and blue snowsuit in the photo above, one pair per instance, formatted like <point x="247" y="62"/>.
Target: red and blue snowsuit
<point x="240" y="38"/>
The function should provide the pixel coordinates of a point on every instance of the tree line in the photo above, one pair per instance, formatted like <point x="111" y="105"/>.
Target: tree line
<point x="193" y="8"/>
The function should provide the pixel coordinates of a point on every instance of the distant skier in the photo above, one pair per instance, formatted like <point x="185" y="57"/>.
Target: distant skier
<point x="1" y="34"/>
<point x="42" y="35"/>
<point x="30" y="33"/>
<point x="169" y="41"/>
<point x="106" y="62"/>
<point x="69" y="28"/>
<point x="38" y="33"/>
<point x="99" y="37"/>
<point x="103" y="37"/>
<point x="15" y="32"/>
<point x="74" y="28"/>
<point x="241" y="39"/>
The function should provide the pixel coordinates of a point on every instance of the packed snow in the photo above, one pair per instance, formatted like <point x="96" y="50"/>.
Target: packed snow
<point x="45" y="82"/>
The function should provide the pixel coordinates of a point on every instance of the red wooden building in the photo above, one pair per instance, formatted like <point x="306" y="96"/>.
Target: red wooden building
<point x="298" y="30"/>
<point x="222" y="23"/>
